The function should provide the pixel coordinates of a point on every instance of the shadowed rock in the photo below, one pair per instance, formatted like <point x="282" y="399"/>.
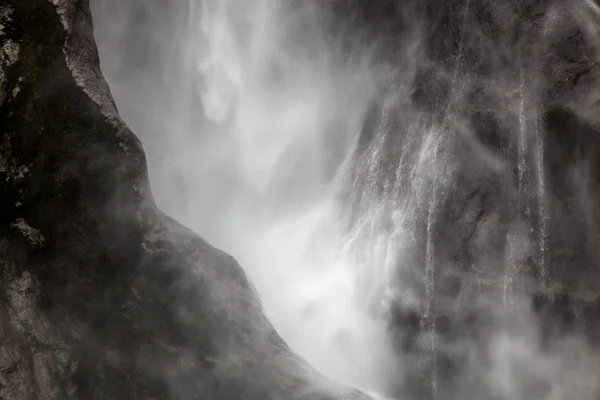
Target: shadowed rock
<point x="102" y="296"/>
<point x="490" y="155"/>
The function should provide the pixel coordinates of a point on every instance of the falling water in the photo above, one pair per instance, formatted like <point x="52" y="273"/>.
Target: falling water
<point x="428" y="319"/>
<point x="264" y="137"/>
<point x="372" y="247"/>
<point x="543" y="215"/>
<point x="522" y="204"/>
<point x="522" y="144"/>
<point x="441" y="172"/>
<point x="262" y="159"/>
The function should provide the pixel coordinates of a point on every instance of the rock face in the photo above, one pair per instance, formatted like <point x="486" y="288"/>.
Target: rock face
<point x="102" y="296"/>
<point x="487" y="148"/>
<point x="509" y="92"/>
<point x="503" y="102"/>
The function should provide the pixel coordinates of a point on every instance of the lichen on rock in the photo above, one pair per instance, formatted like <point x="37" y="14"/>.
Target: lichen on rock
<point x="6" y="12"/>
<point x="66" y="11"/>
<point x="9" y="165"/>
<point x="5" y="17"/>
<point x="9" y="54"/>
<point x="34" y="236"/>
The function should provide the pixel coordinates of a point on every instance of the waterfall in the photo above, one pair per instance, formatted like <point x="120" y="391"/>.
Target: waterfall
<point x="543" y="215"/>
<point x="355" y="191"/>
<point x="428" y="320"/>
<point x="279" y="118"/>
<point x="523" y="211"/>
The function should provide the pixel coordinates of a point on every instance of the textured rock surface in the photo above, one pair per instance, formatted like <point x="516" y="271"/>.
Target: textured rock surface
<point x="102" y="296"/>
<point x="487" y="145"/>
<point x="512" y="91"/>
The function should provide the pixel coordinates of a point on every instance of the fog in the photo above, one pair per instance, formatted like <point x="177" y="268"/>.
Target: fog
<point x="254" y="115"/>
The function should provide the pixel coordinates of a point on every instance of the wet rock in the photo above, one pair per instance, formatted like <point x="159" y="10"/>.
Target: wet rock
<point x="505" y="89"/>
<point x="102" y="296"/>
<point x="501" y="98"/>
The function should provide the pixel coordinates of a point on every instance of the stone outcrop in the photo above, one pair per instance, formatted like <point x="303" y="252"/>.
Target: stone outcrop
<point x="488" y="153"/>
<point x="102" y="296"/>
<point x="503" y="100"/>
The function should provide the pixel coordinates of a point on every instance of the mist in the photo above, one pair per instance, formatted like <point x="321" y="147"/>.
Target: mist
<point x="395" y="209"/>
<point x="249" y="143"/>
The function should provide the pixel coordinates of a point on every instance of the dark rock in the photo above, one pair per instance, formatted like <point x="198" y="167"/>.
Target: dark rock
<point x="479" y="62"/>
<point x="504" y="99"/>
<point x="102" y="296"/>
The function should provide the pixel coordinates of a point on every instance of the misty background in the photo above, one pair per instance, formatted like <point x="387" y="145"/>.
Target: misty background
<point x="381" y="196"/>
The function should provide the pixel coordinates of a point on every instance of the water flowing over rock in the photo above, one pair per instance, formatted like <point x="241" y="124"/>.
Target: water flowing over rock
<point x="102" y="295"/>
<point x="437" y="160"/>
<point x="483" y="158"/>
<point x="468" y="221"/>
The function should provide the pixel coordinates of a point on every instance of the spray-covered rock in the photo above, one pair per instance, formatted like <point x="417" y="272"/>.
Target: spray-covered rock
<point x="103" y="296"/>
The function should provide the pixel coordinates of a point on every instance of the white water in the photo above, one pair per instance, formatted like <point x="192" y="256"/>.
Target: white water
<point x="543" y="215"/>
<point x="255" y="165"/>
<point x="261" y="174"/>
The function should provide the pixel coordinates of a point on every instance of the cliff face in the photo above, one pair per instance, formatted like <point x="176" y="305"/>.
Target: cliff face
<point x="484" y="153"/>
<point x="102" y="296"/>
<point x="492" y="134"/>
